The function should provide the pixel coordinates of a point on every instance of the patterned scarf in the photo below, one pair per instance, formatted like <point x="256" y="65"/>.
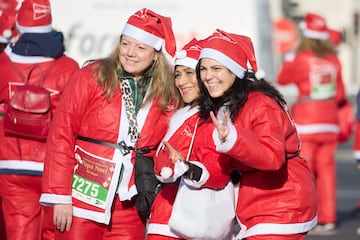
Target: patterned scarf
<point x="130" y="109"/>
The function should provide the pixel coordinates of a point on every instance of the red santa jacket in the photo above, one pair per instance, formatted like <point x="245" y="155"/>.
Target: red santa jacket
<point x="181" y="130"/>
<point x="84" y="110"/>
<point x="320" y="90"/>
<point x="27" y="157"/>
<point x="277" y="194"/>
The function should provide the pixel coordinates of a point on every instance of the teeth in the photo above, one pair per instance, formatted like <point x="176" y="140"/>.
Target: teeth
<point x="212" y="84"/>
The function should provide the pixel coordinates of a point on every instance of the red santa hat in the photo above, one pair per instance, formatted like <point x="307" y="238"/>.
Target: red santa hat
<point x="232" y="50"/>
<point x="314" y="26"/>
<point x="8" y="4"/>
<point x="152" y="29"/>
<point x="335" y="37"/>
<point x="7" y="25"/>
<point x="34" y="16"/>
<point x="189" y="55"/>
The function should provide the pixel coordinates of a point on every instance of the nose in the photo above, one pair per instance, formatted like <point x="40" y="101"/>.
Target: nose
<point x="130" y="51"/>
<point x="205" y="75"/>
<point x="182" y="79"/>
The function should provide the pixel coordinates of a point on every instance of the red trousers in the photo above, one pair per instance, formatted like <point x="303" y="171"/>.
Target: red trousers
<point x="24" y="217"/>
<point x="2" y="224"/>
<point x="125" y="224"/>
<point x="321" y="155"/>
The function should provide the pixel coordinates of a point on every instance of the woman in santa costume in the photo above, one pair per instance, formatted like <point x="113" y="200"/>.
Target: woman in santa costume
<point x="182" y="129"/>
<point x="112" y="108"/>
<point x="247" y="120"/>
<point x="37" y="46"/>
<point x="316" y="71"/>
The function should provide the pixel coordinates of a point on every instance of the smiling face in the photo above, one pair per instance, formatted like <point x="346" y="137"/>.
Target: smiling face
<point x="135" y="56"/>
<point x="186" y="82"/>
<point x="216" y="77"/>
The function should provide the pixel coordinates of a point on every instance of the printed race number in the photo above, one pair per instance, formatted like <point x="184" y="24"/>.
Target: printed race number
<point x="85" y="186"/>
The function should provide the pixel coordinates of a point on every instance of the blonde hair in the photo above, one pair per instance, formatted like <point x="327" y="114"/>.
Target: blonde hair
<point x="162" y="86"/>
<point x="318" y="46"/>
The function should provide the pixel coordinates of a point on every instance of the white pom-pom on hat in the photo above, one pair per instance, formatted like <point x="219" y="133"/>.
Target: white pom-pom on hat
<point x="180" y="54"/>
<point x="7" y="33"/>
<point x="166" y="172"/>
<point x="260" y="74"/>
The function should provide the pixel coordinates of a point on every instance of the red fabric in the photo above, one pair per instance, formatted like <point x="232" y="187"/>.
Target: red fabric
<point x="154" y="24"/>
<point x="125" y="225"/>
<point x="20" y="193"/>
<point x="87" y="113"/>
<point x="307" y="72"/>
<point x="61" y="72"/>
<point x="34" y="13"/>
<point x="356" y="142"/>
<point x="301" y="236"/>
<point x="24" y="217"/>
<point x="2" y="224"/>
<point x="183" y="128"/>
<point x="160" y="237"/>
<point x="315" y="22"/>
<point x="298" y="72"/>
<point x="272" y="190"/>
<point x="322" y="163"/>
<point x="346" y="119"/>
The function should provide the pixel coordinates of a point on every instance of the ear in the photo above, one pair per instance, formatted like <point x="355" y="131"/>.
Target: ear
<point x="156" y="57"/>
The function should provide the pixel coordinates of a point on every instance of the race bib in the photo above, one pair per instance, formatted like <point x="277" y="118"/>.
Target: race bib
<point x="322" y="77"/>
<point x="95" y="179"/>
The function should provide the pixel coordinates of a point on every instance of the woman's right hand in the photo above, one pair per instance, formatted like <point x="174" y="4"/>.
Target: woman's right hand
<point x="174" y="154"/>
<point x="222" y="127"/>
<point x="63" y="214"/>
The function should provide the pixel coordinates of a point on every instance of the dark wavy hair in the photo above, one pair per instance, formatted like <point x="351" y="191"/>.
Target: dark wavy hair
<point x="236" y="96"/>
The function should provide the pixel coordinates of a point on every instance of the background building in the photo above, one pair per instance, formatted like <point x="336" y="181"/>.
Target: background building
<point x="91" y="27"/>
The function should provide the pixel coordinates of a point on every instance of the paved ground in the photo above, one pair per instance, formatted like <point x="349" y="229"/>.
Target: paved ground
<point x="348" y="192"/>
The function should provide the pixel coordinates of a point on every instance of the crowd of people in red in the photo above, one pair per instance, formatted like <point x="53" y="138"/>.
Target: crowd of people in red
<point x="129" y="130"/>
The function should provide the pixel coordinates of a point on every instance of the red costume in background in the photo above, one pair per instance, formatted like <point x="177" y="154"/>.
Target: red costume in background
<point x="21" y="160"/>
<point x="321" y="90"/>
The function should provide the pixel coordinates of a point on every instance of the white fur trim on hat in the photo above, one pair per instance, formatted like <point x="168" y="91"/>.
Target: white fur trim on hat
<point x="143" y="36"/>
<point x="225" y="60"/>
<point x="34" y="29"/>
<point x="187" y="61"/>
<point x="315" y="34"/>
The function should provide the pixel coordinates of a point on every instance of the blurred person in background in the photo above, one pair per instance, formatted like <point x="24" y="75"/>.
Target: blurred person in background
<point x="21" y="159"/>
<point x="356" y="145"/>
<point x="7" y="26"/>
<point x="316" y="71"/>
<point x="7" y="35"/>
<point x="114" y="108"/>
<point x="8" y="32"/>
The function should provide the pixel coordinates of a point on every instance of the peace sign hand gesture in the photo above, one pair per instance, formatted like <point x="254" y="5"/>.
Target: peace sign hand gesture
<point x="222" y="128"/>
